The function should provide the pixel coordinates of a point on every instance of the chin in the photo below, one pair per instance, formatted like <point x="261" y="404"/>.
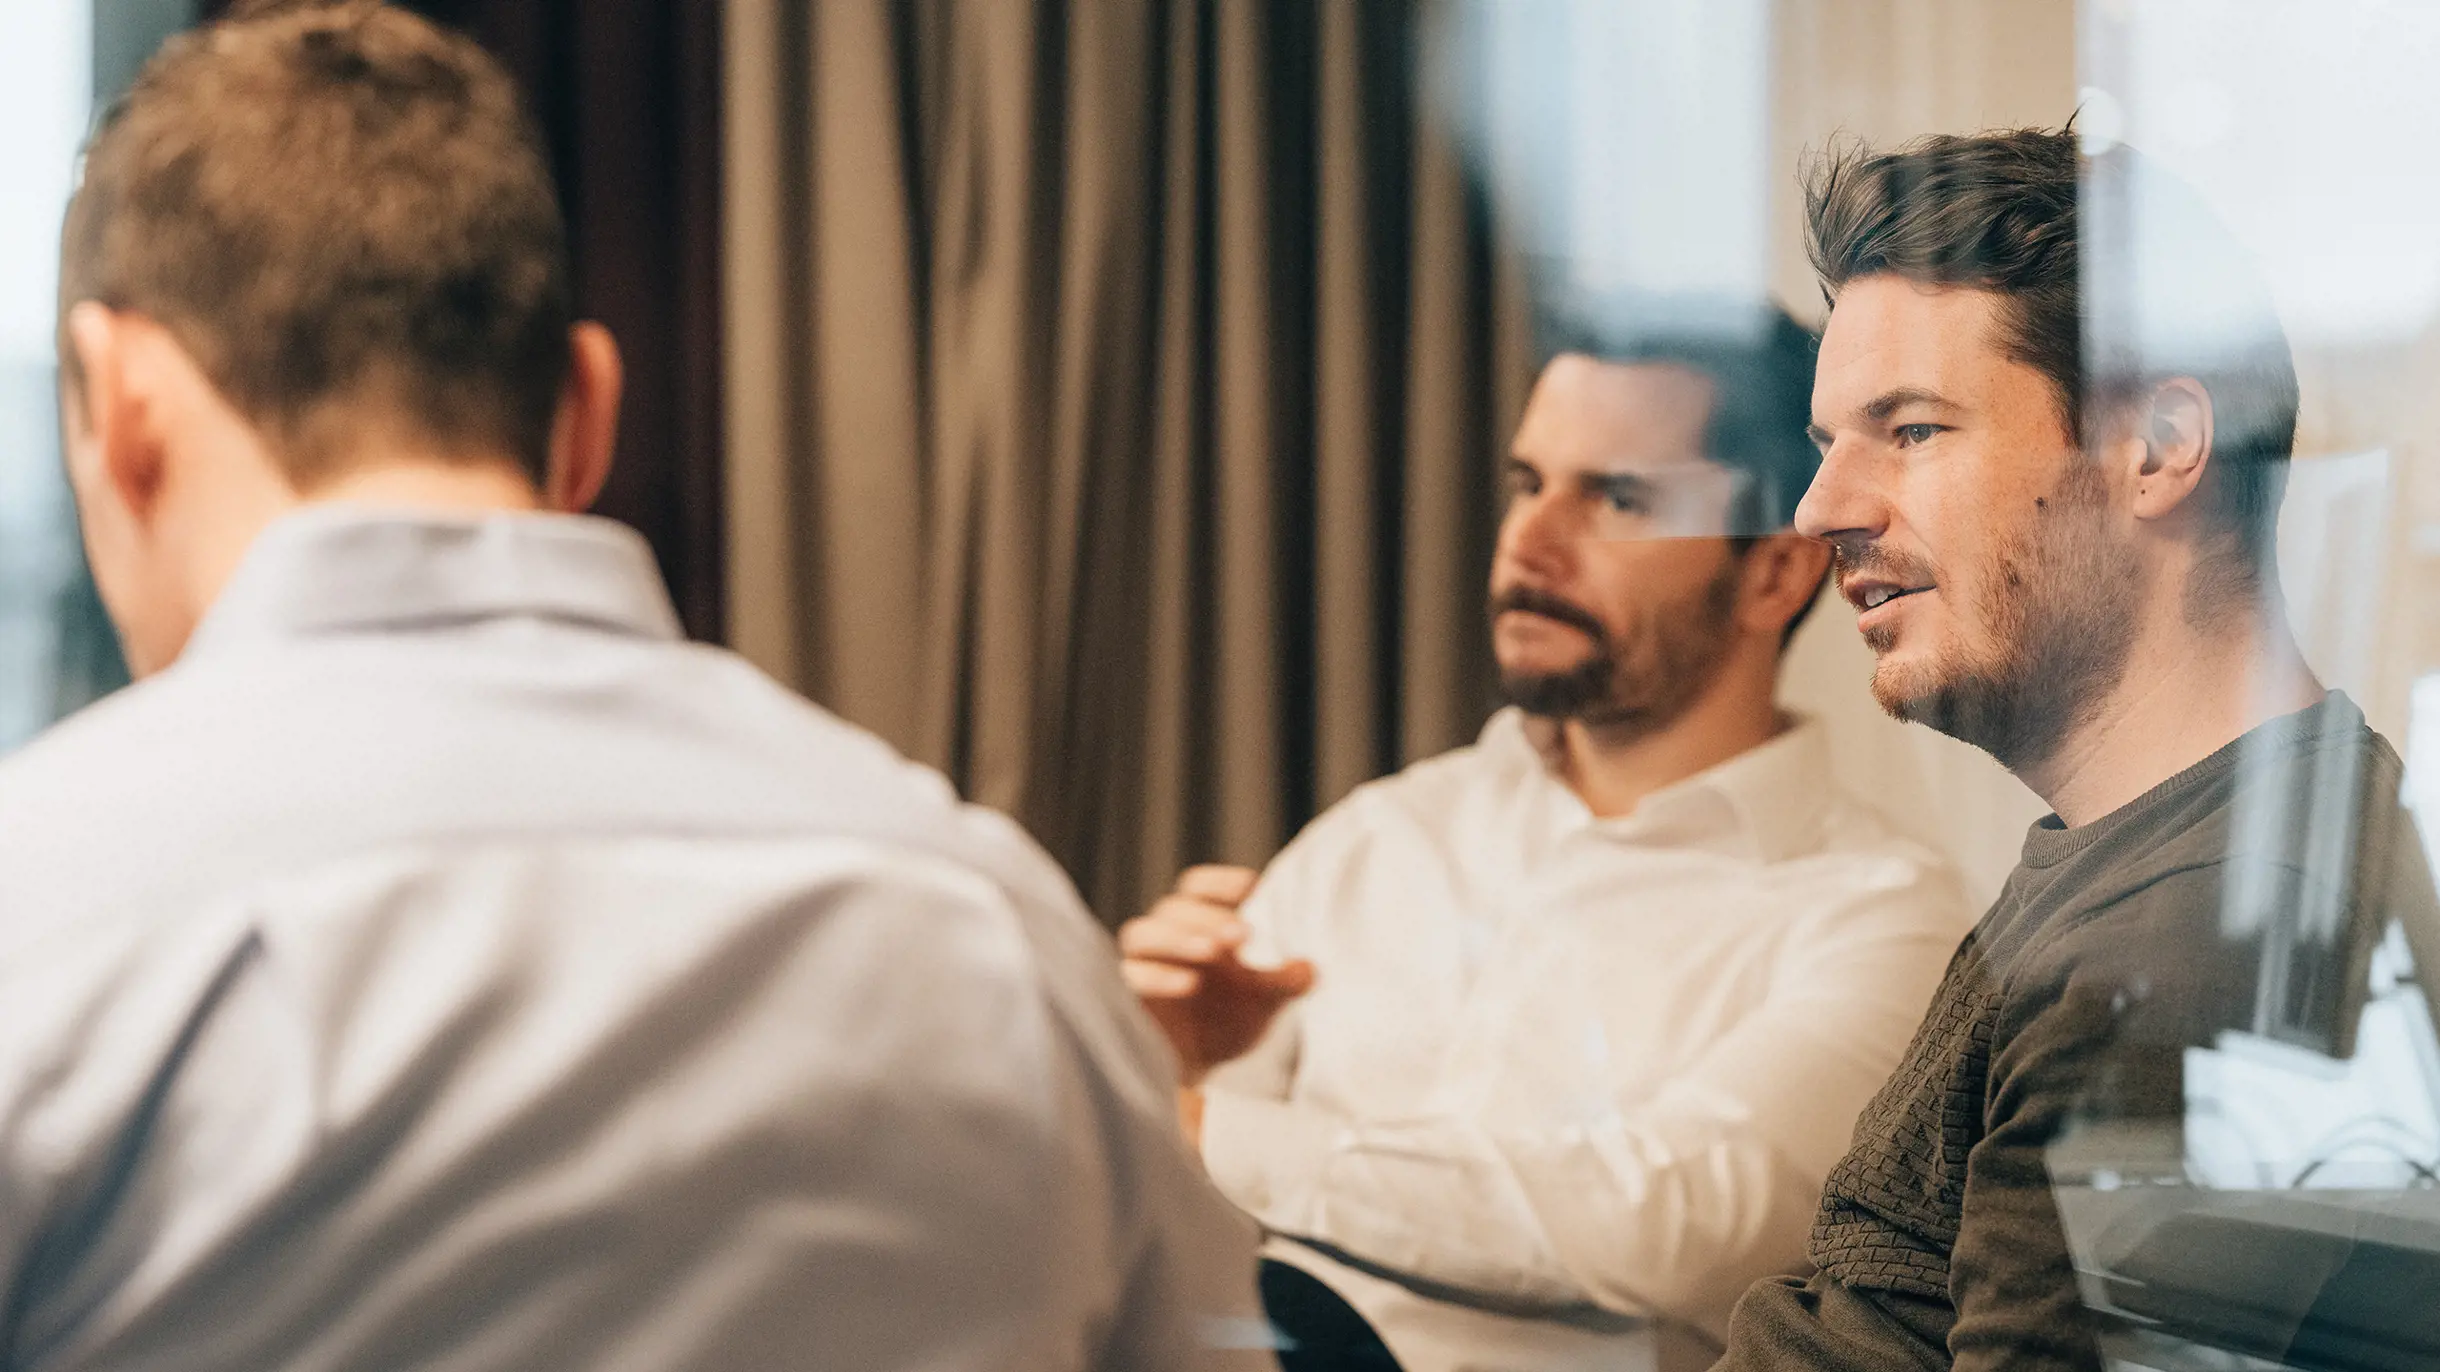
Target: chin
<point x="1905" y="688"/>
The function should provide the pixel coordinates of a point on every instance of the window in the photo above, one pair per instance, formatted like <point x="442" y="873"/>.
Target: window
<point x="56" y="648"/>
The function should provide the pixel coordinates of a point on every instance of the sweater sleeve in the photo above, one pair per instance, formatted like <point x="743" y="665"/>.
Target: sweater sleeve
<point x="2087" y="1053"/>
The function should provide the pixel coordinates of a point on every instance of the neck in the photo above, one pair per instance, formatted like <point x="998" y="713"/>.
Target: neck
<point x="470" y="487"/>
<point x="229" y="487"/>
<point x="1612" y="770"/>
<point x="242" y="509"/>
<point x="2188" y="691"/>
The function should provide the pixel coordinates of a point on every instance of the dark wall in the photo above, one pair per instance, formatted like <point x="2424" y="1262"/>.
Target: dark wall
<point x="628" y="95"/>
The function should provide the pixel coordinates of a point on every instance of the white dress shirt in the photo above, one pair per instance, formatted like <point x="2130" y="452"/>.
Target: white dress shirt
<point x="1566" y="1086"/>
<point x="443" y="966"/>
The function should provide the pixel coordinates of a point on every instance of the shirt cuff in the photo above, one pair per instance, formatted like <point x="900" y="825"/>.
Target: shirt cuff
<point x="1269" y="1156"/>
<point x="1430" y="1201"/>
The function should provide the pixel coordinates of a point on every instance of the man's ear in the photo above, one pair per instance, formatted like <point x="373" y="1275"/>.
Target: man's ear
<point x="584" y="436"/>
<point x="2173" y="425"/>
<point x="110" y="417"/>
<point x="1783" y="572"/>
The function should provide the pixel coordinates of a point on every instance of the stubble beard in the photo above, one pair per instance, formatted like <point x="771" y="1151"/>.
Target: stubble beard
<point x="2055" y="609"/>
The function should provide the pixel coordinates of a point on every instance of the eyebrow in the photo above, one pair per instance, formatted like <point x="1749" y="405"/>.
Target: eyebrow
<point x="1881" y="407"/>
<point x="1601" y="482"/>
<point x="1888" y="403"/>
<point x="1615" y="483"/>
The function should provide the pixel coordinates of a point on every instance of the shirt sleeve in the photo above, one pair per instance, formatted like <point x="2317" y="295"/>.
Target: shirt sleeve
<point x="2093" y="1028"/>
<point x="1188" y="1300"/>
<point x="1184" y="1257"/>
<point x="1252" y="1129"/>
<point x="1669" y="1204"/>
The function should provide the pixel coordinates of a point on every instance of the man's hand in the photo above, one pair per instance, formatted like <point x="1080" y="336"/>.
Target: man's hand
<point x="1181" y="962"/>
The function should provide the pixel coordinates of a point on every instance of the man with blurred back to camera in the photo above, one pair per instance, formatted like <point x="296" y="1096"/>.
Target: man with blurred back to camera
<point x="2055" y="408"/>
<point x="433" y="962"/>
<point x="1533" y="1055"/>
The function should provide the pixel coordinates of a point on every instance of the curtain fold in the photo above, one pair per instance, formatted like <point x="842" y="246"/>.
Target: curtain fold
<point x="1114" y="393"/>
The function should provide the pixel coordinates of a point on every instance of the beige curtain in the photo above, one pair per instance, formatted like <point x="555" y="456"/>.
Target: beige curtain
<point x="1115" y="387"/>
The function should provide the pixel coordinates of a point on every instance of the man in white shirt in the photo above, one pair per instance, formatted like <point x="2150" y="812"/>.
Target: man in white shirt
<point x="1536" y="1054"/>
<point x="433" y="962"/>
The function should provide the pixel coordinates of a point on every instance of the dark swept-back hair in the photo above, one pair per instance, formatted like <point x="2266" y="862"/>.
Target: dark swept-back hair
<point x="335" y="206"/>
<point x="2112" y="276"/>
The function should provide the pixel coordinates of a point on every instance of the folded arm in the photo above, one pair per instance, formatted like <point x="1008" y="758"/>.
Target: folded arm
<point x="1667" y="1204"/>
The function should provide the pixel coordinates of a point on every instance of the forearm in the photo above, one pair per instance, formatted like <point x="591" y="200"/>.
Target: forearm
<point x="1675" y="1219"/>
<point x="1673" y="1203"/>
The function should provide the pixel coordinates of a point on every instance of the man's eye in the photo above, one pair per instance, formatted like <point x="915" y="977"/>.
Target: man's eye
<point x="1911" y="434"/>
<point x="1625" y="501"/>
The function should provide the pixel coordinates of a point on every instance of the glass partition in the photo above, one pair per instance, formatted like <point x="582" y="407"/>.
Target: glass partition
<point x="2291" y="1217"/>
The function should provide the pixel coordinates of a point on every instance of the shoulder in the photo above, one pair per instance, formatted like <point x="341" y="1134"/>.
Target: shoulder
<point x="1865" y="869"/>
<point x="2151" y="968"/>
<point x="990" y="929"/>
<point x="1433" y="793"/>
<point x="92" y="749"/>
<point x="1501" y="757"/>
<point x="1418" y="819"/>
<point x="83" y="805"/>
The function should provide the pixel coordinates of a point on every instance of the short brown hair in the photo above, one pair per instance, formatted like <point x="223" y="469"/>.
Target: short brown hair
<point x="2023" y="214"/>
<point x="332" y="207"/>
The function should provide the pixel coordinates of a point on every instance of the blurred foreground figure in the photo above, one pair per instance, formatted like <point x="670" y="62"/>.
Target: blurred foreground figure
<point x="1534" y="1055"/>
<point x="433" y="962"/>
<point x="2055" y="408"/>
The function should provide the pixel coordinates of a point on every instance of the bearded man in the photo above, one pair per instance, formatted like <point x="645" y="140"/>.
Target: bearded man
<point x="2056" y="408"/>
<point x="1535" y="1054"/>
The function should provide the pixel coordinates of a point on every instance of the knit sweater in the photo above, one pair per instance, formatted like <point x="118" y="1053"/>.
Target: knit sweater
<point x="2113" y="948"/>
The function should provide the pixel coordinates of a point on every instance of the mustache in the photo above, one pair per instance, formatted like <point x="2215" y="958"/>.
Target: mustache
<point x="1854" y="557"/>
<point x="1543" y="603"/>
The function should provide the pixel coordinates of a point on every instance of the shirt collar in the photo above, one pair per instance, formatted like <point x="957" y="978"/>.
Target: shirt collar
<point x="346" y="569"/>
<point x="1766" y="801"/>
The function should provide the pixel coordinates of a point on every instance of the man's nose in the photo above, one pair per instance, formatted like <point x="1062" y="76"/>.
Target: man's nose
<point x="1537" y="532"/>
<point x="1846" y="500"/>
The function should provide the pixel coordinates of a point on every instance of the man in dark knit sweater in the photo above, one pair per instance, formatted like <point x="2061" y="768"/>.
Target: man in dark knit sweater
<point x="2051" y="495"/>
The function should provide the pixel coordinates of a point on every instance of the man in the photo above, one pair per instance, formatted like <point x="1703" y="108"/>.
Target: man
<point x="1559" y="1032"/>
<point x="432" y="962"/>
<point x="2054" y="408"/>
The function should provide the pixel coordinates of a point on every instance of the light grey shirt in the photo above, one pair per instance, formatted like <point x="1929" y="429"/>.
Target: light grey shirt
<point x="443" y="966"/>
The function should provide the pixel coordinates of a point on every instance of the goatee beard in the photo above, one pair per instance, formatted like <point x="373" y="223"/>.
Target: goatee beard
<point x="1635" y="691"/>
<point x="1579" y="692"/>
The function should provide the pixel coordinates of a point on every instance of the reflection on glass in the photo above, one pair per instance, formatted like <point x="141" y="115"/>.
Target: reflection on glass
<point x="1625" y="142"/>
<point x="2291" y="1216"/>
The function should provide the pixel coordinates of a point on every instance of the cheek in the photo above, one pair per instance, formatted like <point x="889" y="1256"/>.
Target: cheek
<point x="1632" y="584"/>
<point x="1960" y="522"/>
<point x="1614" y="580"/>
